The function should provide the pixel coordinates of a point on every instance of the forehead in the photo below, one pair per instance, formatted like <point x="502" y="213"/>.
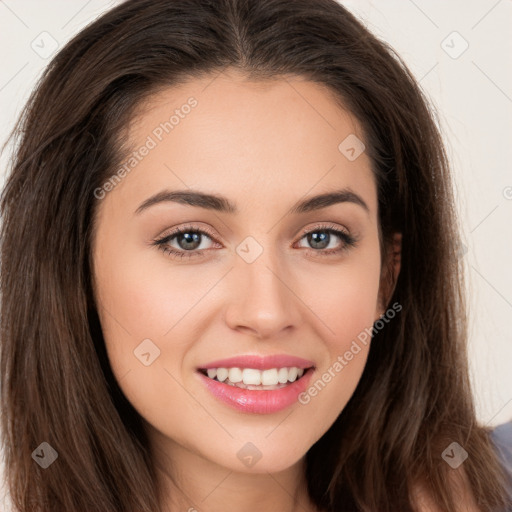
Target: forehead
<point x="253" y="141"/>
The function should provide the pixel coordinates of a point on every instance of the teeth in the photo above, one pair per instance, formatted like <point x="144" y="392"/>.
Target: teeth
<point x="222" y="374"/>
<point x="269" y="377"/>
<point x="252" y="377"/>
<point x="235" y="375"/>
<point x="282" y="375"/>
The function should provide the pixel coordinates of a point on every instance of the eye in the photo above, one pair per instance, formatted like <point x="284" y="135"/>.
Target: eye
<point x="186" y="241"/>
<point x="321" y="240"/>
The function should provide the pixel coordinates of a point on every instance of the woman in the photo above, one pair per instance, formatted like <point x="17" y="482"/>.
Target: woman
<point x="230" y="274"/>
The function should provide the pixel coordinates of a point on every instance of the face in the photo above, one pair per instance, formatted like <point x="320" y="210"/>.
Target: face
<point x="262" y="277"/>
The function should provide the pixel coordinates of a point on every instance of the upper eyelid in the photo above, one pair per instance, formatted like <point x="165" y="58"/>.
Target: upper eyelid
<point x="185" y="229"/>
<point x="327" y="226"/>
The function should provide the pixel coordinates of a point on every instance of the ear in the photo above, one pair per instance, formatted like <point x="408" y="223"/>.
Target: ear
<point x="389" y="273"/>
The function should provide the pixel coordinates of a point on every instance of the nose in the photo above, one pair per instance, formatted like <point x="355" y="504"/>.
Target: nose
<point x="263" y="301"/>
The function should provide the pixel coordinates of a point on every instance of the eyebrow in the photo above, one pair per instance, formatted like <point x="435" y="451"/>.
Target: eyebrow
<point x="224" y="205"/>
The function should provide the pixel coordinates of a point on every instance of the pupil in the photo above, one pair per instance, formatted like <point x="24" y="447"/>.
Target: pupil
<point x="313" y="239"/>
<point x="191" y="240"/>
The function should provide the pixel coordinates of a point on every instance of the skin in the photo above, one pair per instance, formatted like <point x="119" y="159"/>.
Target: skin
<point x="265" y="146"/>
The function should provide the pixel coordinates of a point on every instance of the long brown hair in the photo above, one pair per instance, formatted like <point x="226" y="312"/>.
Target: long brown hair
<point x="414" y="396"/>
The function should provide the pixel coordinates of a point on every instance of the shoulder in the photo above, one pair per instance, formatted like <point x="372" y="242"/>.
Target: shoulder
<point x="501" y="436"/>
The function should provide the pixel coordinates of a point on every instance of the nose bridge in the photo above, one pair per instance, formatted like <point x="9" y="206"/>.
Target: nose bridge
<point x="263" y="300"/>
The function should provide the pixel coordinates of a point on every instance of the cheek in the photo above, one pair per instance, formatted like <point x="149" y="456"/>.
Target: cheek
<point x="345" y="303"/>
<point x="137" y="307"/>
<point x="344" y="297"/>
<point x="139" y="299"/>
<point x="146" y="302"/>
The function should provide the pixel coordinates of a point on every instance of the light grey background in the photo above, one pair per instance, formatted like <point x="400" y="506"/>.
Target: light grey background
<point x="470" y="87"/>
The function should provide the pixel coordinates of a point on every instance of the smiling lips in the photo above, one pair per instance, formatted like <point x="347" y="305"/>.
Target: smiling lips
<point x="257" y="384"/>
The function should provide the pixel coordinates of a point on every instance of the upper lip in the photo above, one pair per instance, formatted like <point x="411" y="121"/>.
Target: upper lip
<point x="259" y="362"/>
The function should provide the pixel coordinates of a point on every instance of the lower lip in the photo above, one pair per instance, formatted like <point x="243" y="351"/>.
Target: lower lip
<point x="258" y="401"/>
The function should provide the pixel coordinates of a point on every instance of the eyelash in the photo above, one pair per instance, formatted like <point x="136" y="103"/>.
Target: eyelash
<point x="161" y="243"/>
